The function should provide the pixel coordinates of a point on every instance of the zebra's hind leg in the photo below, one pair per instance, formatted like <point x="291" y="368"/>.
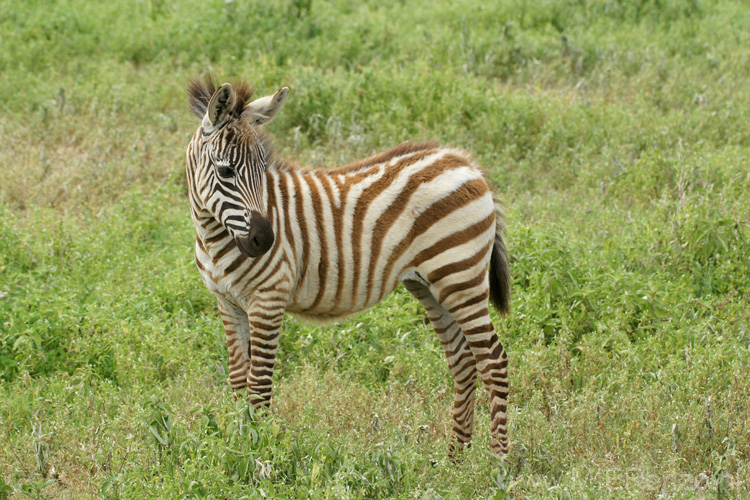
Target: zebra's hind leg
<point x="469" y="308"/>
<point x="460" y="360"/>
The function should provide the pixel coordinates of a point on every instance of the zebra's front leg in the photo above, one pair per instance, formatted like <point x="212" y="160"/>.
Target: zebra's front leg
<point x="237" y="329"/>
<point x="265" y="326"/>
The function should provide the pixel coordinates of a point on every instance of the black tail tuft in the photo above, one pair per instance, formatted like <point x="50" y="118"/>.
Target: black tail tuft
<point x="500" y="282"/>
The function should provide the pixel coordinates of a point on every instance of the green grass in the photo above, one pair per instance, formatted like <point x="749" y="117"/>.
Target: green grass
<point x="614" y="131"/>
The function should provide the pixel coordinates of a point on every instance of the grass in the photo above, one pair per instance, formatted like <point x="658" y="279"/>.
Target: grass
<point x="615" y="133"/>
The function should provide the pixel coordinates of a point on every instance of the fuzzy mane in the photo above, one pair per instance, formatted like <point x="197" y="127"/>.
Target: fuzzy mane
<point x="200" y="92"/>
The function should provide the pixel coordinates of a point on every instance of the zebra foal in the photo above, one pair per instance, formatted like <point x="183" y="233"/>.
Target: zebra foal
<point x="272" y="237"/>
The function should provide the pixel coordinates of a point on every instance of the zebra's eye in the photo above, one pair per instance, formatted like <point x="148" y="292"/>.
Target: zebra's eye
<point x="224" y="170"/>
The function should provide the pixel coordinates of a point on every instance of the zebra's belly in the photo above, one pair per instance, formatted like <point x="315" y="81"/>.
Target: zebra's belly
<point x="337" y="305"/>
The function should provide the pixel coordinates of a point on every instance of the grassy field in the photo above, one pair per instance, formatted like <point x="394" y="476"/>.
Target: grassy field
<point x="614" y="131"/>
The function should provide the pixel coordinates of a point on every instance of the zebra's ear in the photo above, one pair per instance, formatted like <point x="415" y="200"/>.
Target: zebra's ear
<point x="262" y="111"/>
<point x="219" y="108"/>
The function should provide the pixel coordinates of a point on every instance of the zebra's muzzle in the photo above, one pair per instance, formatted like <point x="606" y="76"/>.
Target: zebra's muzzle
<point x="259" y="239"/>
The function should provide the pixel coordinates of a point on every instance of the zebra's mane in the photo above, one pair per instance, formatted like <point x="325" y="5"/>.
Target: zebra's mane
<point x="200" y="93"/>
<point x="405" y="148"/>
<point x="402" y="149"/>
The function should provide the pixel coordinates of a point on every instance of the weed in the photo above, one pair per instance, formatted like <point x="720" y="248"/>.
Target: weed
<point x="41" y="448"/>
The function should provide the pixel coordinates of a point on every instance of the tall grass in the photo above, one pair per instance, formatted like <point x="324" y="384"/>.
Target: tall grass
<point x="615" y="133"/>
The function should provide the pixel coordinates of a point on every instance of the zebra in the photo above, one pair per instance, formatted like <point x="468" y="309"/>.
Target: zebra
<point x="273" y="237"/>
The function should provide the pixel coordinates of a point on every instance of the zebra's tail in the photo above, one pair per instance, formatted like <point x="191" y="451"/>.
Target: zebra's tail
<point x="500" y="282"/>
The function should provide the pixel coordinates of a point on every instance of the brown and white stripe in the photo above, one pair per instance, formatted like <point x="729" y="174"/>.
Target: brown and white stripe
<point x="326" y="243"/>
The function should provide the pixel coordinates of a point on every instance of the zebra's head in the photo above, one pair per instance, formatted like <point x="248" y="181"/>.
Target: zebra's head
<point x="231" y="159"/>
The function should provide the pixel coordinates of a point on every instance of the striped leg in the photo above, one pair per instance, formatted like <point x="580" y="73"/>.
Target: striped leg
<point x="237" y="330"/>
<point x="469" y="309"/>
<point x="264" y="342"/>
<point x="460" y="360"/>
